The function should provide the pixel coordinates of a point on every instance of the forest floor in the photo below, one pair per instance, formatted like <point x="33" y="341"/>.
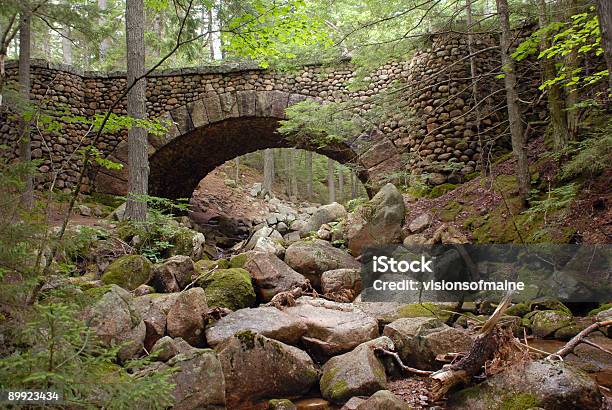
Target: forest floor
<point x="486" y="210"/>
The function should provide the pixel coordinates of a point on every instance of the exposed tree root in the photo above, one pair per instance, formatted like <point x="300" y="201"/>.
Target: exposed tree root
<point x="379" y="351"/>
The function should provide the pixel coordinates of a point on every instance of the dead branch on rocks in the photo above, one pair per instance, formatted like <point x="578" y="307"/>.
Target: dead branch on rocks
<point x="214" y="314"/>
<point x="287" y="298"/>
<point x="576" y="340"/>
<point x="483" y="349"/>
<point x="379" y="351"/>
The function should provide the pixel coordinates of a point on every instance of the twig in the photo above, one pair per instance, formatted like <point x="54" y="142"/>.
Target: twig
<point x="569" y="347"/>
<point x="384" y="352"/>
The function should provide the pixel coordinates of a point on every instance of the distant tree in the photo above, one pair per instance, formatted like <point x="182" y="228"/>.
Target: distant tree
<point x="309" y="174"/>
<point x="340" y="183"/>
<point x="512" y="99"/>
<point x="268" y="170"/>
<point x="331" y="184"/>
<point x="25" y="145"/>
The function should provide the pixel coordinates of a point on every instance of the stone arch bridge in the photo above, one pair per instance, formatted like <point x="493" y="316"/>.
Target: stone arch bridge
<point x="219" y="113"/>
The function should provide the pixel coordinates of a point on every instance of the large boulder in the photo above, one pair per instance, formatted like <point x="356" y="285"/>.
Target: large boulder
<point x="323" y="215"/>
<point x="313" y="257"/>
<point x="186" y="316"/>
<point x="356" y="373"/>
<point x="256" y="368"/>
<point x="383" y="218"/>
<point x="199" y="381"/>
<point x="166" y="348"/>
<point x="129" y="272"/>
<point x="542" y="384"/>
<point x="341" y="279"/>
<point x="267" y="321"/>
<point x="153" y="309"/>
<point x="546" y="322"/>
<point x="419" y="340"/>
<point x="332" y="328"/>
<point x="173" y="274"/>
<point x="116" y="321"/>
<point x="229" y="288"/>
<point x="383" y="400"/>
<point x="271" y="275"/>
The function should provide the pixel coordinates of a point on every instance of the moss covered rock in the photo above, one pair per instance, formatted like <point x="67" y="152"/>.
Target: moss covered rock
<point x="230" y="288"/>
<point x="545" y="384"/>
<point x="128" y="271"/>
<point x="547" y="322"/>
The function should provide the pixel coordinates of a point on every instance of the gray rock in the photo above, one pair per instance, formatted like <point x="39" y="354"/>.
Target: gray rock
<point x="356" y="373"/>
<point x="383" y="400"/>
<point x="256" y="367"/>
<point x="323" y="215"/>
<point x="383" y="222"/>
<point x="541" y="384"/>
<point x="267" y="321"/>
<point x="547" y="322"/>
<point x="153" y="309"/>
<point x="333" y="328"/>
<point x="313" y="257"/>
<point x="199" y="383"/>
<point x="267" y="245"/>
<point x="166" y="348"/>
<point x="263" y="232"/>
<point x="419" y="340"/>
<point x="116" y="321"/>
<point x="173" y="274"/>
<point x="420" y="223"/>
<point x="186" y="316"/>
<point x="271" y="275"/>
<point x="338" y="279"/>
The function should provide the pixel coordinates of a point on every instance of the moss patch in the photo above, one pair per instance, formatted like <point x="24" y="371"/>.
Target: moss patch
<point x="238" y="261"/>
<point x="427" y="309"/>
<point x="229" y="288"/>
<point x="440" y="190"/>
<point x="520" y="402"/>
<point x="128" y="271"/>
<point x="603" y="307"/>
<point x="450" y="211"/>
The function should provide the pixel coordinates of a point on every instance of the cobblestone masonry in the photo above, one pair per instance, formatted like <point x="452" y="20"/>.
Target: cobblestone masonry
<point x="223" y="112"/>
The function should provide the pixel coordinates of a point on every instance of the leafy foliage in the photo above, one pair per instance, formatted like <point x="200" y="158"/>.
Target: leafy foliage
<point x="581" y="35"/>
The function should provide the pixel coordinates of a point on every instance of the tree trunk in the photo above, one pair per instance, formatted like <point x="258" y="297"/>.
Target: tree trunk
<point x="293" y="172"/>
<point x="514" y="115"/>
<point x="331" y="184"/>
<point x="604" y="12"/>
<point x="340" y="183"/>
<point x="237" y="175"/>
<point x="353" y="185"/>
<point x="138" y="160"/>
<point x="268" y="171"/>
<point x="66" y="46"/>
<point x="105" y="43"/>
<point x="157" y="28"/>
<point x="309" y="174"/>
<point x="571" y="63"/>
<point x="558" y="121"/>
<point x="214" y="37"/>
<point x="25" y="145"/>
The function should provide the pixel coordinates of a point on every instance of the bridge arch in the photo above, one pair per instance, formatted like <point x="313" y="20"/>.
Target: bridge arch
<point x="210" y="131"/>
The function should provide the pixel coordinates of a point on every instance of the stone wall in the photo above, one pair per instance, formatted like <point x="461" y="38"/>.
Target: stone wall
<point x="436" y="124"/>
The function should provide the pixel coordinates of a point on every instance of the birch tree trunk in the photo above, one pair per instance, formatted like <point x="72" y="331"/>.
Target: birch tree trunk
<point x="237" y="170"/>
<point x="309" y="174"/>
<point x="268" y="171"/>
<point x="25" y="145"/>
<point x="514" y="114"/>
<point x="138" y="160"/>
<point x="340" y="183"/>
<point x="604" y="13"/>
<point x="105" y="43"/>
<point x="66" y="46"/>
<point x="331" y="183"/>
<point x="353" y="185"/>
